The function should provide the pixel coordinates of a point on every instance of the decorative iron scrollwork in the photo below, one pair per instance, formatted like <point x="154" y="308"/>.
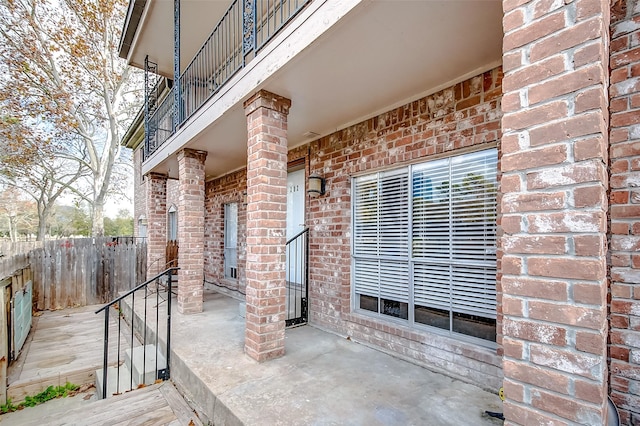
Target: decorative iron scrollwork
<point x="248" y="26"/>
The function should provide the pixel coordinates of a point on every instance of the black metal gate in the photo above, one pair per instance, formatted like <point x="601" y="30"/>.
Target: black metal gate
<point x="297" y="297"/>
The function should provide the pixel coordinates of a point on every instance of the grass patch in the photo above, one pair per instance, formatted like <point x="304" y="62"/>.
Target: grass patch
<point x="52" y="392"/>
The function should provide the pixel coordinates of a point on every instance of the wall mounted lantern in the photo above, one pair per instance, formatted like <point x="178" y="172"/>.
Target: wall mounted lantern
<point x="316" y="186"/>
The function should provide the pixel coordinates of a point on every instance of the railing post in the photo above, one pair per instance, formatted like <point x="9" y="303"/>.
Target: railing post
<point x="106" y="353"/>
<point x="168" y="358"/>
<point x="305" y="301"/>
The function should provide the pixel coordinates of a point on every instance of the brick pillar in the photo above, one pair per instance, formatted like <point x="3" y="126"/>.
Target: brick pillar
<point x="625" y="210"/>
<point x="266" y="224"/>
<point x="156" y="223"/>
<point x="554" y="204"/>
<point x="191" y="230"/>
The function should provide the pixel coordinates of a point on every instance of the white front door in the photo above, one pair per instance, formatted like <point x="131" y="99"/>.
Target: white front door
<point x="295" y="223"/>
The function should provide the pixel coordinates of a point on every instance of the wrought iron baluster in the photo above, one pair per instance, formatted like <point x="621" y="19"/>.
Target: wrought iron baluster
<point x="144" y="340"/>
<point x="106" y="353"/>
<point x="118" y="349"/>
<point x="168" y="350"/>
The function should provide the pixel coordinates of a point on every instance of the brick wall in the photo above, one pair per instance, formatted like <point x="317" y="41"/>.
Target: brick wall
<point x="156" y="196"/>
<point x="230" y="188"/>
<point x="467" y="114"/>
<point x="624" y="199"/>
<point x="140" y="191"/>
<point x="191" y="230"/>
<point x="554" y="185"/>
<point x="266" y="213"/>
<point x="173" y="193"/>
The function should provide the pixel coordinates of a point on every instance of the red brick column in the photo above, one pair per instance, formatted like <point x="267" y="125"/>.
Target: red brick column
<point x="554" y="185"/>
<point x="156" y="223"/>
<point x="266" y="224"/>
<point x="191" y="230"/>
<point x="625" y="210"/>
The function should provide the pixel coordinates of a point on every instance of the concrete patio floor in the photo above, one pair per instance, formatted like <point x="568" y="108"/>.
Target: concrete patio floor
<point x="323" y="379"/>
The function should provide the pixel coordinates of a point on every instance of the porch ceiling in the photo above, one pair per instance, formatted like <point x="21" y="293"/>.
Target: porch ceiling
<point x="379" y="55"/>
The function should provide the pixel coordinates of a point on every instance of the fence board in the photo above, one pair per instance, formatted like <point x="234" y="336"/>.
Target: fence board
<point x="84" y="271"/>
<point x="11" y="264"/>
<point x="8" y="248"/>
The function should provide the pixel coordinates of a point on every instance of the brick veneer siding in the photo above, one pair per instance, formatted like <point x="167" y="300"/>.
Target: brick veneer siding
<point x="554" y="184"/>
<point x="173" y="193"/>
<point x="266" y="224"/>
<point x="191" y="230"/>
<point x="624" y="199"/>
<point x="156" y="187"/>
<point x="466" y="115"/>
<point x="230" y="188"/>
<point x="452" y="120"/>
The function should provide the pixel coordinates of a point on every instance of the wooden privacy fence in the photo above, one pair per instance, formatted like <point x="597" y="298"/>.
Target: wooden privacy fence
<point x="85" y="271"/>
<point x="12" y="248"/>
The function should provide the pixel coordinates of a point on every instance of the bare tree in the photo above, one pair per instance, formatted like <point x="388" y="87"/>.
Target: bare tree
<point x="62" y="75"/>
<point x="45" y="181"/>
<point x="17" y="212"/>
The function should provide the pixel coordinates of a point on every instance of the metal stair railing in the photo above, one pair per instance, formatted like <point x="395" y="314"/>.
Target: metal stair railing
<point x="297" y="277"/>
<point x="158" y="285"/>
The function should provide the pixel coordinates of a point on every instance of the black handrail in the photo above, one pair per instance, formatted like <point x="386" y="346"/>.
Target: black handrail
<point x="297" y="270"/>
<point x="144" y="284"/>
<point x="163" y="373"/>
<point x="295" y="237"/>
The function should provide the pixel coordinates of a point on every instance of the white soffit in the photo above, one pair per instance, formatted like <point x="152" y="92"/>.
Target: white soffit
<point x="380" y="55"/>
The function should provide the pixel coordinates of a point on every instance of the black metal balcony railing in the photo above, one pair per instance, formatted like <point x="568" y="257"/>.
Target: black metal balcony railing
<point x="246" y="27"/>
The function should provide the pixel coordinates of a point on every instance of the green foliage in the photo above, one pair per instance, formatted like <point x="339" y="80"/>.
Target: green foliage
<point x="67" y="221"/>
<point x="8" y="407"/>
<point x="81" y="222"/>
<point x="52" y="392"/>
<point x="121" y="226"/>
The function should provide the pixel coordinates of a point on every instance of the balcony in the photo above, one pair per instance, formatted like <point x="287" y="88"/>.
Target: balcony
<point x="245" y="28"/>
<point x="340" y="62"/>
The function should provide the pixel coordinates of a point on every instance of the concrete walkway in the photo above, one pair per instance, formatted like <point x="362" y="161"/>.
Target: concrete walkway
<point x="323" y="379"/>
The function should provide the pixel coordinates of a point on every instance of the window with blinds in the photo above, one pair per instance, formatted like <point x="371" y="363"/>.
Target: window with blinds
<point x="424" y="243"/>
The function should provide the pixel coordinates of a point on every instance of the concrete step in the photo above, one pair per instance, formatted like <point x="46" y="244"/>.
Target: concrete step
<point x="117" y="382"/>
<point x="142" y="361"/>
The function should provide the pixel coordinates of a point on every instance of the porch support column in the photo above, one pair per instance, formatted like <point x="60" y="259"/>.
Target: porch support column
<point x="266" y="224"/>
<point x="191" y="230"/>
<point x="156" y="223"/>
<point x="554" y="184"/>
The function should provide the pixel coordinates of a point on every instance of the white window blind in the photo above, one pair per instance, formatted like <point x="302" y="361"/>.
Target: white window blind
<point x="454" y="233"/>
<point x="430" y="228"/>
<point x="381" y="247"/>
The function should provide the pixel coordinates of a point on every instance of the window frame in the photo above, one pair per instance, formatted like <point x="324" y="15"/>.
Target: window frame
<point x="489" y="266"/>
<point x="172" y="223"/>
<point x="228" y="209"/>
